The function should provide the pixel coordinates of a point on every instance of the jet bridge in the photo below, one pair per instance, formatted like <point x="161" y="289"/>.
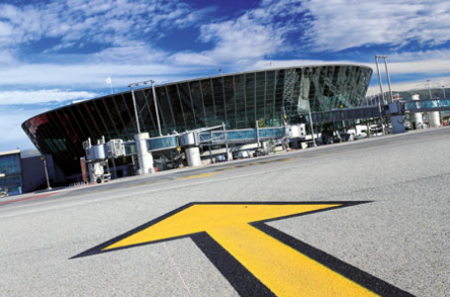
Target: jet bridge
<point x="145" y="147"/>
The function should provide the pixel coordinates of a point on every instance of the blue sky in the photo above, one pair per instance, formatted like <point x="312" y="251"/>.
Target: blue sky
<point x="54" y="52"/>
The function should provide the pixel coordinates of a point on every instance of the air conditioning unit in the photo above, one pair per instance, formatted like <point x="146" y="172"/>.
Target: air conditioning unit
<point x="115" y="148"/>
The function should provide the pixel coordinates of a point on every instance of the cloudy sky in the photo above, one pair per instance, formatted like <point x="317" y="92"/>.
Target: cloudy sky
<point x="54" y="52"/>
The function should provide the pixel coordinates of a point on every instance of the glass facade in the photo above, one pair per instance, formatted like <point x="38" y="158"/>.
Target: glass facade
<point x="238" y="100"/>
<point x="11" y="173"/>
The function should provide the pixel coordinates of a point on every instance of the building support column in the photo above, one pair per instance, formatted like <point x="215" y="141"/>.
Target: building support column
<point x="145" y="159"/>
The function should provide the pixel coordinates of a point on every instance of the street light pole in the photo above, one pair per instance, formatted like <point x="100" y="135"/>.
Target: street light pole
<point x="46" y="172"/>
<point x="382" y="95"/>
<point x="135" y="109"/>
<point x="309" y="111"/>
<point x="154" y="101"/>
<point x="443" y="90"/>
<point x="156" y="107"/>
<point x="379" y="78"/>
<point x="312" y="127"/>
<point x="388" y="78"/>
<point x="429" y="89"/>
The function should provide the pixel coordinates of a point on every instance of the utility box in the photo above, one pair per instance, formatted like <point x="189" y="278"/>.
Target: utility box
<point x="115" y="148"/>
<point x="297" y="131"/>
<point x="189" y="139"/>
<point x="395" y="108"/>
<point x="98" y="152"/>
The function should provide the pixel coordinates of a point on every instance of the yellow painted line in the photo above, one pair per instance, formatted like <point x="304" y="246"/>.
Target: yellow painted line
<point x="282" y="269"/>
<point x="200" y="175"/>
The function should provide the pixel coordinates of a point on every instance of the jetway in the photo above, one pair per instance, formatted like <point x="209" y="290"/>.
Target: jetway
<point x="241" y="136"/>
<point x="346" y="114"/>
<point x="396" y="108"/>
<point x="145" y="147"/>
<point x="425" y="105"/>
<point x="394" y="112"/>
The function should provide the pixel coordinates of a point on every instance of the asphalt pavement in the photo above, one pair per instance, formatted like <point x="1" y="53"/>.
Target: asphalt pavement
<point x="370" y="217"/>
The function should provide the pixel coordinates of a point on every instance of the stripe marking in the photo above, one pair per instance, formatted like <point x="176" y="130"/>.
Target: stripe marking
<point x="258" y="260"/>
<point x="199" y="175"/>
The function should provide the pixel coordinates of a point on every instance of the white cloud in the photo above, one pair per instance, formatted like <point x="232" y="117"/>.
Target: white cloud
<point x="342" y="24"/>
<point x="420" y="55"/>
<point x="430" y="67"/>
<point x="11" y="120"/>
<point x="41" y="96"/>
<point x="126" y="53"/>
<point x="86" y="21"/>
<point x="239" y="42"/>
<point x="89" y="75"/>
<point x="435" y="83"/>
<point x="273" y="64"/>
<point x="424" y="67"/>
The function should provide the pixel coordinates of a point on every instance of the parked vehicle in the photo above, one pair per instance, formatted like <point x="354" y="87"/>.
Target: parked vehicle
<point x="3" y="193"/>
<point x="242" y="155"/>
<point x="220" y="158"/>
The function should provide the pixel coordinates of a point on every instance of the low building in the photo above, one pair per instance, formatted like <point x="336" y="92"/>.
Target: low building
<point x="11" y="172"/>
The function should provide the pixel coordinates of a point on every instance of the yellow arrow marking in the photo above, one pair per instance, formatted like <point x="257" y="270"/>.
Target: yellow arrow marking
<point x="282" y="269"/>
<point x="200" y="175"/>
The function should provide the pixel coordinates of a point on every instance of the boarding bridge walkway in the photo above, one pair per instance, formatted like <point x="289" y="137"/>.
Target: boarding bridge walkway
<point x="198" y="138"/>
<point x="241" y="136"/>
<point x="368" y="112"/>
<point x="426" y="105"/>
<point x="346" y="114"/>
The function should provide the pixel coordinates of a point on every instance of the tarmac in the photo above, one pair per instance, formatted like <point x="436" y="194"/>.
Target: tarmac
<point x="365" y="218"/>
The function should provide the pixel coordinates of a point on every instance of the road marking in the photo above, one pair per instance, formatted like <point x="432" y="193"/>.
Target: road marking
<point x="258" y="260"/>
<point x="28" y="198"/>
<point x="200" y="175"/>
<point x="253" y="164"/>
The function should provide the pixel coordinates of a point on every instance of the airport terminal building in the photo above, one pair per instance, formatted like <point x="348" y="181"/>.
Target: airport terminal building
<point x="239" y="100"/>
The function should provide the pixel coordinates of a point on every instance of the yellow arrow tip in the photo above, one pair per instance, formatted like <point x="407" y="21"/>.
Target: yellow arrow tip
<point x="203" y="217"/>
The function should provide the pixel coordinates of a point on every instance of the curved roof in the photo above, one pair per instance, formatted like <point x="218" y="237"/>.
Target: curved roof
<point x="215" y="76"/>
<point x="236" y="99"/>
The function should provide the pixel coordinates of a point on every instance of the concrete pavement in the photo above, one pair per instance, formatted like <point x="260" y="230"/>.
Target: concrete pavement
<point x="401" y="238"/>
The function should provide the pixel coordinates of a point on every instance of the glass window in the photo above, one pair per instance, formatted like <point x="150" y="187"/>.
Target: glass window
<point x="189" y="114"/>
<point x="239" y="84"/>
<point x="146" y="111"/>
<point x="175" y="102"/>
<point x="12" y="183"/>
<point x="260" y="95"/>
<point x="269" y="102"/>
<point x="250" y="98"/>
<point x="219" y="99"/>
<point x="168" y="120"/>
<point x="125" y="113"/>
<point x="10" y="164"/>
<point x="197" y="103"/>
<point x="230" y="102"/>
<point x="208" y="100"/>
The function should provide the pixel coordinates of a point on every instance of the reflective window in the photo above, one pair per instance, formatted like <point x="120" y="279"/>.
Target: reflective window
<point x="230" y="102"/>
<point x="239" y="86"/>
<point x="219" y="99"/>
<point x="10" y="164"/>
<point x="186" y="102"/>
<point x="197" y="103"/>
<point x="168" y="120"/>
<point x="250" y="98"/>
<point x="12" y="183"/>
<point x="175" y="102"/>
<point x="208" y="100"/>
<point x="238" y="100"/>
